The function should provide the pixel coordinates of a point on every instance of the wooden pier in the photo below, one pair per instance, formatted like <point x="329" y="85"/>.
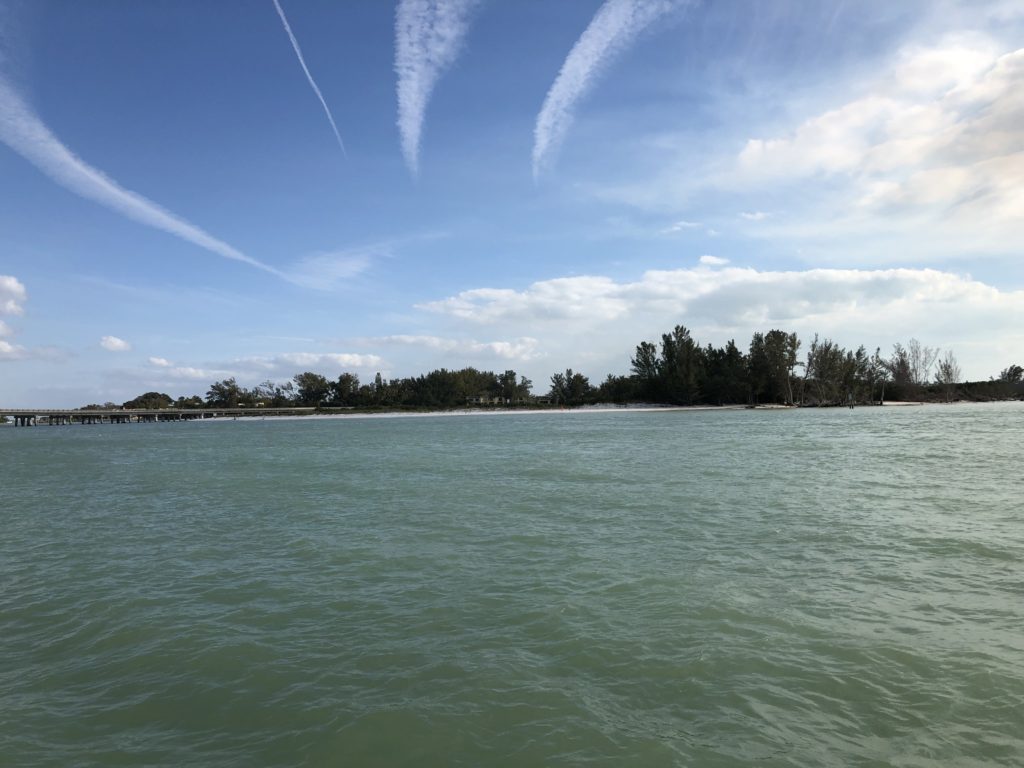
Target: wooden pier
<point x="30" y="417"/>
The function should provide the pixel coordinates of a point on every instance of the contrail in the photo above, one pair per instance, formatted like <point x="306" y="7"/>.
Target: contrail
<point x="23" y="131"/>
<point x="309" y="77"/>
<point x="614" y="27"/>
<point x="428" y="37"/>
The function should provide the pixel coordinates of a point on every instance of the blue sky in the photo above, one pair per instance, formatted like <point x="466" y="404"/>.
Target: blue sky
<point x="532" y="185"/>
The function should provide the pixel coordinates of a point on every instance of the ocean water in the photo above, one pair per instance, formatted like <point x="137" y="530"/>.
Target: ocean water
<point x="772" y="588"/>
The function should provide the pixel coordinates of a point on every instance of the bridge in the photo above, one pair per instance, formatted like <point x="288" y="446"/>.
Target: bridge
<point x="29" y="417"/>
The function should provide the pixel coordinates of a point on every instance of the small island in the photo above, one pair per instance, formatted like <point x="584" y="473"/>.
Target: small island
<point x="678" y="372"/>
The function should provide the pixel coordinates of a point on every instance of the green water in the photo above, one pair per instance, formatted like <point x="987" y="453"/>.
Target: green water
<point x="799" y="588"/>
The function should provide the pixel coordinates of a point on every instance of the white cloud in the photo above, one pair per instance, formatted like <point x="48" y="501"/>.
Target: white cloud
<point x="918" y="160"/>
<point x="560" y="299"/>
<point x="252" y="370"/>
<point x="680" y="226"/>
<point x="114" y="344"/>
<point x="23" y="131"/>
<point x="523" y="348"/>
<point x="188" y="373"/>
<point x="12" y="295"/>
<point x="613" y="29"/>
<point x="333" y="360"/>
<point x="599" y="320"/>
<point x="309" y="77"/>
<point x="428" y="38"/>
<point x="713" y="261"/>
<point x="12" y="302"/>
<point x="10" y="351"/>
<point x="325" y="271"/>
<point x="938" y="141"/>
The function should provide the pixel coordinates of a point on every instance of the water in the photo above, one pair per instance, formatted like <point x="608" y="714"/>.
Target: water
<point x="826" y="588"/>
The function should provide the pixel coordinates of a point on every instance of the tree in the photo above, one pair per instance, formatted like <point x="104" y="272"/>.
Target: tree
<point x="878" y="372"/>
<point x="725" y="374"/>
<point x="646" y="368"/>
<point x="899" y="367"/>
<point x="513" y="389"/>
<point x="921" y="361"/>
<point x="311" y="388"/>
<point x="617" y="389"/>
<point x="224" y="394"/>
<point x="345" y="391"/>
<point x="570" y="388"/>
<point x="681" y="367"/>
<point x="1013" y="374"/>
<point x="828" y="373"/>
<point x="150" y="401"/>
<point x="270" y="394"/>
<point x="780" y="350"/>
<point x="948" y="374"/>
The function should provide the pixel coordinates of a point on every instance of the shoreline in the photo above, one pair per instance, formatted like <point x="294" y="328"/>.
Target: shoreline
<point x="585" y="409"/>
<point x="255" y="416"/>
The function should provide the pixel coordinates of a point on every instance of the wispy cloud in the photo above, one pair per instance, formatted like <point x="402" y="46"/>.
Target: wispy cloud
<point x="522" y="348"/>
<point x="309" y="77"/>
<point x="614" y="27"/>
<point x="428" y="38"/>
<point x="331" y="360"/>
<point x="680" y="226"/>
<point x="326" y="271"/>
<point x="114" y="344"/>
<point x="23" y="131"/>
<point x="754" y="215"/>
<point x="713" y="261"/>
<point x="161" y="362"/>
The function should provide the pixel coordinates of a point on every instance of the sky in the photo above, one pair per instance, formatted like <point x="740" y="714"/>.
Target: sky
<point x="191" y="191"/>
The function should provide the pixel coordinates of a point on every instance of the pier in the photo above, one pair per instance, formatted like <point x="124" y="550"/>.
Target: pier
<point x="54" y="417"/>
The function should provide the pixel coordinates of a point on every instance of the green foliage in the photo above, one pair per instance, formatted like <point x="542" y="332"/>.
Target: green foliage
<point x="618" y="389"/>
<point x="345" y="391"/>
<point x="571" y="388"/>
<point x="224" y="394"/>
<point x="1013" y="374"/>
<point x="150" y="401"/>
<point x="270" y="395"/>
<point x="311" y="389"/>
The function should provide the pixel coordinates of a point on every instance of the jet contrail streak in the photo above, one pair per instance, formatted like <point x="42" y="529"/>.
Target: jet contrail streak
<point x="23" y="131"/>
<point x="614" y="27"/>
<point x="309" y="77"/>
<point x="428" y="37"/>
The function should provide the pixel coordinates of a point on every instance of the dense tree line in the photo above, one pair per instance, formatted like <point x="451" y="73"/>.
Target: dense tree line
<point x="681" y="371"/>
<point x="438" y="389"/>
<point x="678" y="370"/>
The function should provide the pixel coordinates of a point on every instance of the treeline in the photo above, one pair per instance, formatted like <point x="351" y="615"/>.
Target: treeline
<point x="678" y="370"/>
<point x="438" y="389"/>
<point x="682" y="372"/>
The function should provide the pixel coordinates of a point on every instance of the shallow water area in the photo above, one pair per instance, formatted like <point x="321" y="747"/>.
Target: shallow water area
<point x="710" y="588"/>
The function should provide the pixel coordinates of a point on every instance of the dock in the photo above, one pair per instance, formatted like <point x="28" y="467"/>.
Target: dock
<point x="30" y="417"/>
